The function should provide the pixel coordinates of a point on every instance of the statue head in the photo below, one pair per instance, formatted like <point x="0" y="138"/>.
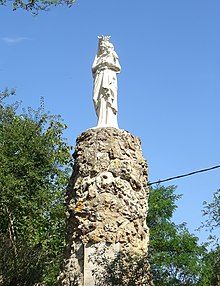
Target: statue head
<point x="104" y="44"/>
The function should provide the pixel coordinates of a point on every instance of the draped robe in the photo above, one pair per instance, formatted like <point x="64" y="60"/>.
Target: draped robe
<point x="104" y="69"/>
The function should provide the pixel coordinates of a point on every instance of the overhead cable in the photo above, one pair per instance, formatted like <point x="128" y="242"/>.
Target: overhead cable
<point x="181" y="176"/>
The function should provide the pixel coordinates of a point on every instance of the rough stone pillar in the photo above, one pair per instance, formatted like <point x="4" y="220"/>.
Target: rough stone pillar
<point x="106" y="200"/>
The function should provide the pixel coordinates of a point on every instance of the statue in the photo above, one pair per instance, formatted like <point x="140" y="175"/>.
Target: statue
<point x="104" y="70"/>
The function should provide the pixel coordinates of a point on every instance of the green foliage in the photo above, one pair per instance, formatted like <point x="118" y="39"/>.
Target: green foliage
<point x="33" y="176"/>
<point x="210" y="274"/>
<point x="212" y="223"/>
<point x="174" y="253"/>
<point x="21" y="264"/>
<point x="36" y="5"/>
<point x="212" y="211"/>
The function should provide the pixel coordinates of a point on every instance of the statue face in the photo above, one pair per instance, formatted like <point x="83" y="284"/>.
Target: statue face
<point x="102" y="49"/>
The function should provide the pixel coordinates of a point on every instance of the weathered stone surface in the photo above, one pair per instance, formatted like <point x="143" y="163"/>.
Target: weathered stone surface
<point x="106" y="197"/>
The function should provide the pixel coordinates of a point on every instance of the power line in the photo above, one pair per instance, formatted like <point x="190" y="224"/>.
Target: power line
<point x="181" y="176"/>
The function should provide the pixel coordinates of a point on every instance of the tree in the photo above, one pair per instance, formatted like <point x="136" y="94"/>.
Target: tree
<point x="212" y="211"/>
<point x="175" y="256"/>
<point x="212" y="224"/>
<point x="35" y="6"/>
<point x="33" y="176"/>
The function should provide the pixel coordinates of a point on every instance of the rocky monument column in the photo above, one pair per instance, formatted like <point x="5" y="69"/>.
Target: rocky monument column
<point x="107" y="193"/>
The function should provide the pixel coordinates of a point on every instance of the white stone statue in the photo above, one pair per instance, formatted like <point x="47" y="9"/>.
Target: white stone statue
<point x="104" y="70"/>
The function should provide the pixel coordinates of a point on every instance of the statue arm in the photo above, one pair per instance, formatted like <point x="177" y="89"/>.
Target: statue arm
<point x="106" y="63"/>
<point x="99" y="64"/>
<point x="114" y="65"/>
<point x="95" y="65"/>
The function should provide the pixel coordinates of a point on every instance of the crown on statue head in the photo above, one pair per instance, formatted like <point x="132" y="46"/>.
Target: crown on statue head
<point x="104" y="38"/>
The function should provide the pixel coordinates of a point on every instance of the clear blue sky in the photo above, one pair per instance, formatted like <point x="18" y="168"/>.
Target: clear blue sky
<point x="169" y="86"/>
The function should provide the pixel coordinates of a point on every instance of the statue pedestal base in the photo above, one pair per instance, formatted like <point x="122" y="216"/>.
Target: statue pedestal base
<point x="107" y="204"/>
